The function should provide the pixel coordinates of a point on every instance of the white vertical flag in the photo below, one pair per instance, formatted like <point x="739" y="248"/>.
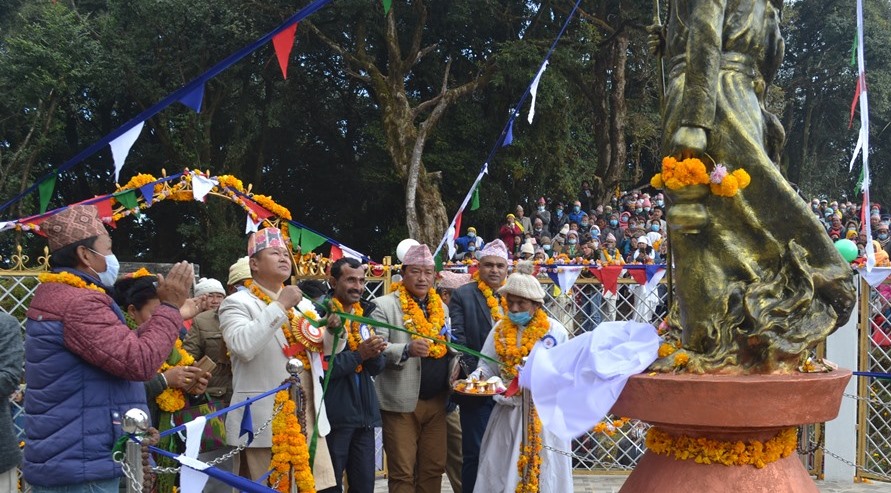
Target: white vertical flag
<point x="120" y="147"/>
<point x="534" y="89"/>
<point x="863" y="138"/>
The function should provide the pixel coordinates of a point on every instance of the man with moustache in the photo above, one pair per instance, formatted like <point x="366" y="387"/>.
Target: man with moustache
<point x="351" y="400"/>
<point x="474" y="309"/>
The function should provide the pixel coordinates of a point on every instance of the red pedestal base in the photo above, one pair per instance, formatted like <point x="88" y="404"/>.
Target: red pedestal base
<point x="727" y="408"/>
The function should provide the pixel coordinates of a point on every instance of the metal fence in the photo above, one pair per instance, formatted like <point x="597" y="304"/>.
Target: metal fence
<point x="874" y="420"/>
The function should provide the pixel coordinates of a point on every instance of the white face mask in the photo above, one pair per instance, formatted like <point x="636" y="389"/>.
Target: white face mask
<point x="112" y="267"/>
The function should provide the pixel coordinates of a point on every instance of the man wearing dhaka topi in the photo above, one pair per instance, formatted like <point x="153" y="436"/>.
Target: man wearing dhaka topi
<point x="263" y="327"/>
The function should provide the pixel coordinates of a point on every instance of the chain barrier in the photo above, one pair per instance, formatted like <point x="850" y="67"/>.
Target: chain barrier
<point x="582" y="457"/>
<point x="877" y="475"/>
<point x="175" y="470"/>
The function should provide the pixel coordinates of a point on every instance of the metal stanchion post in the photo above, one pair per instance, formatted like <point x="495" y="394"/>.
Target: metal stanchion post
<point x="135" y="421"/>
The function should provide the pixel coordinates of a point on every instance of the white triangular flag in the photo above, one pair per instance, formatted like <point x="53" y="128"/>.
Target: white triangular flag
<point x="566" y="277"/>
<point x="349" y="252"/>
<point x="120" y="147"/>
<point x="251" y="226"/>
<point x="191" y="480"/>
<point x="4" y="225"/>
<point x="450" y="241"/>
<point x="201" y="186"/>
<point x="534" y="89"/>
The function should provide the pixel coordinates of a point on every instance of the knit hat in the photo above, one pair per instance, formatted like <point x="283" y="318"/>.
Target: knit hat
<point x="610" y="237"/>
<point x="419" y="255"/>
<point x="527" y="248"/>
<point x="265" y="238"/>
<point x="644" y="239"/>
<point x="523" y="284"/>
<point x="494" y="248"/>
<point x="75" y="223"/>
<point x="471" y="230"/>
<point x="646" y="202"/>
<point x="452" y="280"/>
<point x="511" y="216"/>
<point x="239" y="271"/>
<point x="209" y="286"/>
<point x="564" y="230"/>
<point x="541" y="200"/>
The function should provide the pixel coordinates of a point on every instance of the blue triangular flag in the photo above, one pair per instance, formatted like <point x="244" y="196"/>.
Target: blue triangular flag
<point x="509" y="138"/>
<point x="148" y="191"/>
<point x="194" y="98"/>
<point x="552" y="273"/>
<point x="247" y="424"/>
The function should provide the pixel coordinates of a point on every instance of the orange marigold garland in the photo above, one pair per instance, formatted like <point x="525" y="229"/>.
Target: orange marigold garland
<point x="172" y="400"/>
<point x="290" y="452"/>
<point x="708" y="451"/>
<point x="69" y="279"/>
<point x="497" y="310"/>
<point x="294" y="328"/>
<point x="511" y="348"/>
<point x="529" y="462"/>
<point x="430" y="325"/>
<point x="351" y="327"/>
<point x="691" y="171"/>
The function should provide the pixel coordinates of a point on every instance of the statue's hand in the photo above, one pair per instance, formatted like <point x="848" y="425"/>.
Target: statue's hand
<point x="656" y="39"/>
<point x="689" y="141"/>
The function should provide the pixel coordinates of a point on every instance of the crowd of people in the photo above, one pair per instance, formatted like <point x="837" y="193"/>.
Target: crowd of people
<point x="632" y="229"/>
<point x="98" y="344"/>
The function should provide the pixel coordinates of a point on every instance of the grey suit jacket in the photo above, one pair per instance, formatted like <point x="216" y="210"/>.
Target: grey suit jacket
<point x="398" y="385"/>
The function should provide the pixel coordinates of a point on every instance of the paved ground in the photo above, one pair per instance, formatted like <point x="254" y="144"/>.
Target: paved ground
<point x="611" y="484"/>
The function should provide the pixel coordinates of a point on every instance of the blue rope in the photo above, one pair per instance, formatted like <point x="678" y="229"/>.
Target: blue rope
<point x="230" y="408"/>
<point x="872" y="374"/>
<point x="172" y="98"/>
<point x="513" y="116"/>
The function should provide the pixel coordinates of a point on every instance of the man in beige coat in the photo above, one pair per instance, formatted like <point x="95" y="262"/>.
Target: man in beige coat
<point x="413" y="387"/>
<point x="252" y="330"/>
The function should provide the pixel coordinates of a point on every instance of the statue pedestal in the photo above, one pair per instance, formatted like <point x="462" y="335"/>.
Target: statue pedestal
<point x="727" y="408"/>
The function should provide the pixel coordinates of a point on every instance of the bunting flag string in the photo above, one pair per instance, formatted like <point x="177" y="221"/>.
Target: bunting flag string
<point x="507" y="135"/>
<point x="283" y="42"/>
<point x="863" y="136"/>
<point x="534" y="90"/>
<point x="190" y="94"/>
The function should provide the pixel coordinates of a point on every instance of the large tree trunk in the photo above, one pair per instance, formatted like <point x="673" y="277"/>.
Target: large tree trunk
<point x="610" y="113"/>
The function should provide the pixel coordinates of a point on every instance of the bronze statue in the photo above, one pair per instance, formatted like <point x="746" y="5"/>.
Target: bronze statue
<point x="757" y="279"/>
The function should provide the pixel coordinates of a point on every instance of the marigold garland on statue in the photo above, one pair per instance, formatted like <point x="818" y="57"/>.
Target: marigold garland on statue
<point x="289" y="449"/>
<point x="351" y="327"/>
<point x="609" y="428"/>
<point x="529" y="462"/>
<point x="691" y="171"/>
<point x="511" y="348"/>
<point x="495" y="309"/>
<point x="69" y="279"/>
<point x="708" y="451"/>
<point x="430" y="325"/>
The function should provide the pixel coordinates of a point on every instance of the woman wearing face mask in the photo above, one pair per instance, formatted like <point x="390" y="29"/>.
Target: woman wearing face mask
<point x="505" y="440"/>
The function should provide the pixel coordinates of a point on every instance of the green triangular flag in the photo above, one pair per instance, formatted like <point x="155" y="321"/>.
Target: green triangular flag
<point x="854" y="51"/>
<point x="387" y="5"/>
<point x="859" y="185"/>
<point x="309" y="241"/>
<point x="438" y="263"/>
<point x="128" y="199"/>
<point x="45" y="189"/>
<point x="294" y="233"/>
<point x="475" y="199"/>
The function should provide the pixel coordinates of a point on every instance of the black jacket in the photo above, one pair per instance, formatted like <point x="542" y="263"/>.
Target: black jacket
<point x="471" y="321"/>
<point x="351" y="401"/>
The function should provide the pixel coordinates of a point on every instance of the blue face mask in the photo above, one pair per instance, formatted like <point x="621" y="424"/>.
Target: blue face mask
<point x="546" y="246"/>
<point x="638" y="210"/>
<point x="112" y="267"/>
<point x="520" y="318"/>
<point x="614" y="222"/>
<point x="660" y="203"/>
<point x="646" y="209"/>
<point x="883" y="236"/>
<point x="471" y="235"/>
<point x="571" y="242"/>
<point x="471" y="249"/>
<point x="541" y="208"/>
<point x="559" y="212"/>
<point x="576" y="208"/>
<point x="654" y="227"/>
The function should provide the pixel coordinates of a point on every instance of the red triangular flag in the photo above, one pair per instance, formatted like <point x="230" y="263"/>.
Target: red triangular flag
<point x="458" y="224"/>
<point x="609" y="277"/>
<point x="854" y="103"/>
<point x="283" y="42"/>
<point x="639" y="275"/>
<point x="106" y="212"/>
<point x="257" y="209"/>
<point x="336" y="253"/>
